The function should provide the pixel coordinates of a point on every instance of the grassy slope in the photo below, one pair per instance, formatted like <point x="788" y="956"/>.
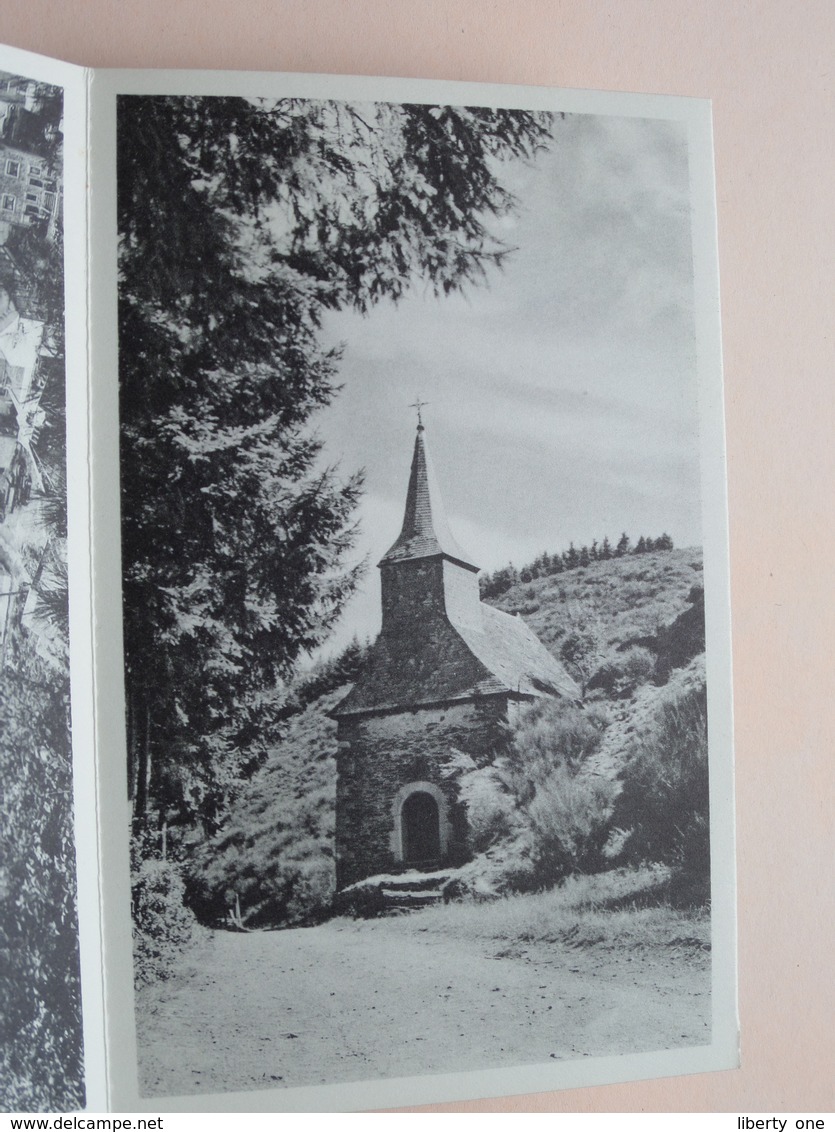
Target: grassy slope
<point x="622" y="908"/>
<point x="276" y="850"/>
<point x="631" y="597"/>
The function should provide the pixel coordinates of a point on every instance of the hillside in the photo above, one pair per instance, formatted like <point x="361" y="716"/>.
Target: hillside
<point x="637" y="602"/>
<point x="631" y="597"/>
<point x="274" y="858"/>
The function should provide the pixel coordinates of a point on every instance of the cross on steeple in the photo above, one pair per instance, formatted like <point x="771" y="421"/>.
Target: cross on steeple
<point x="418" y="404"/>
<point x="425" y="532"/>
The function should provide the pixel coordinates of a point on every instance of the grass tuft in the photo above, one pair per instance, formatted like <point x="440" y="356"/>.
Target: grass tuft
<point x="619" y="909"/>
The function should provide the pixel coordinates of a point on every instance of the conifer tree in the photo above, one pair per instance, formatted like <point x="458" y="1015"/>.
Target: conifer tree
<point x="241" y="222"/>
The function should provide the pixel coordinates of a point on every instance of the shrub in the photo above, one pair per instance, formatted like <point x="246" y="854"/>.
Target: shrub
<point x="273" y="857"/>
<point x="637" y="665"/>
<point x="274" y="872"/>
<point x="162" y="925"/>
<point x="620" y="675"/>
<point x="548" y="732"/>
<point x="605" y="680"/>
<point x="363" y="901"/>
<point x="664" y="803"/>
<point x="582" y="650"/>
<point x="40" y="1016"/>
<point x="312" y="890"/>
<point x="272" y="862"/>
<point x="567" y="807"/>
<point x="569" y="815"/>
<point x="492" y="813"/>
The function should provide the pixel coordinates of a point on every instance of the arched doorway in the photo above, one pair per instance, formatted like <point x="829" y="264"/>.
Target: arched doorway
<point x="421" y="828"/>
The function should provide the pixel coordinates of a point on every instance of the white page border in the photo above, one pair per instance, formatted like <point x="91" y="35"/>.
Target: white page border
<point x="110" y="717"/>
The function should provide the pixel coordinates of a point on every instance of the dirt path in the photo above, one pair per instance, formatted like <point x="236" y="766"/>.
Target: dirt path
<point x="346" y="1001"/>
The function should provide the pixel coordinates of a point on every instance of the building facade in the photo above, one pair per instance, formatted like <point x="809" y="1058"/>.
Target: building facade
<point x="445" y="676"/>
<point x="29" y="194"/>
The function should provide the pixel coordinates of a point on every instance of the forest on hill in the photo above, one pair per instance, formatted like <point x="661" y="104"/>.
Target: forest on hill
<point x="619" y="780"/>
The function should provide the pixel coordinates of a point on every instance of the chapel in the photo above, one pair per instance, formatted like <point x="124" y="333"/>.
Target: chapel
<point x="444" y="677"/>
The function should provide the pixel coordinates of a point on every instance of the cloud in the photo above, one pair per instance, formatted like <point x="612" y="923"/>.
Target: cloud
<point x="562" y="396"/>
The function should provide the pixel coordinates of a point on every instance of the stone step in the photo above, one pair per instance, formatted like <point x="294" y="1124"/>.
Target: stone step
<point x="393" y="892"/>
<point x="410" y="883"/>
<point x="409" y="898"/>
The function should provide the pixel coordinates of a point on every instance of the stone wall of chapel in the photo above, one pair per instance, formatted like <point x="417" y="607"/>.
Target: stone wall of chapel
<point x="379" y="755"/>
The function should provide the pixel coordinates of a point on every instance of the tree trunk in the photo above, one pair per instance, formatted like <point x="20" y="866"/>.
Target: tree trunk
<point x="139" y="747"/>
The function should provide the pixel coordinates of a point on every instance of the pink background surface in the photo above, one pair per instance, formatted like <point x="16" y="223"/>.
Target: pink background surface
<point x="767" y="66"/>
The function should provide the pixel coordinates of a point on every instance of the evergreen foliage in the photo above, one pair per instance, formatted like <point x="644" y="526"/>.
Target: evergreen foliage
<point x="328" y="674"/>
<point x="546" y="565"/>
<point x="240" y="222"/>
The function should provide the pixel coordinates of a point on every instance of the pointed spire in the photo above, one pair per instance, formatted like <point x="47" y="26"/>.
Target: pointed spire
<point x="425" y="530"/>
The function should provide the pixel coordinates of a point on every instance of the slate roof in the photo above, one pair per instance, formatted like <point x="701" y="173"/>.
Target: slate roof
<point x="436" y="660"/>
<point x="425" y="529"/>
<point x="516" y="657"/>
<point x="457" y="663"/>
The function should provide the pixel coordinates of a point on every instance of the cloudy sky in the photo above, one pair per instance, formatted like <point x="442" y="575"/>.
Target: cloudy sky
<point x="562" y="396"/>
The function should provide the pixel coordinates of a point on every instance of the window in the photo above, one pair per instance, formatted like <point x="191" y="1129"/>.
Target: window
<point x="9" y="203"/>
<point x="36" y="182"/>
<point x="49" y="200"/>
<point x="33" y="197"/>
<point x="13" y="168"/>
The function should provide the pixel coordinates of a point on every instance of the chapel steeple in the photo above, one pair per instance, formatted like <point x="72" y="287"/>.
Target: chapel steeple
<point x="425" y="531"/>
<point x="443" y="679"/>
<point x="425" y="573"/>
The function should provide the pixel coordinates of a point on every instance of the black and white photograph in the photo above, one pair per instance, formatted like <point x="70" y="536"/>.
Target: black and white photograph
<point x="422" y="715"/>
<point x="41" y="1062"/>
